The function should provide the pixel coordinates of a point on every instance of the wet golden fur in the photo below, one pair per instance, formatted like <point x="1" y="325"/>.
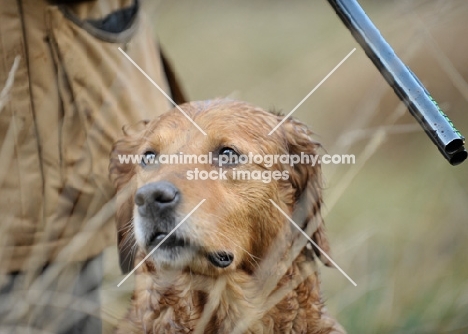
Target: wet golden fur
<point x="272" y="285"/>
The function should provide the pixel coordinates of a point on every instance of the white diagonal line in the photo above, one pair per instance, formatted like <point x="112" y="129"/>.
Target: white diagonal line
<point x="308" y="238"/>
<point x="161" y="90"/>
<point x="312" y="91"/>
<point x="155" y="248"/>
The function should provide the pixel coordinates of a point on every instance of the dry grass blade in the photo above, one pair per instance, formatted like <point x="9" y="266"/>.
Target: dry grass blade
<point x="7" y="148"/>
<point x="4" y="94"/>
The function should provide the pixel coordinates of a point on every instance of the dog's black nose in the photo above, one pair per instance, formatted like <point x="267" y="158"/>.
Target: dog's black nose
<point x="157" y="196"/>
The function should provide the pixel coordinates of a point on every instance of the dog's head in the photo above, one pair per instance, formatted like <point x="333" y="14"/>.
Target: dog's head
<point x="236" y="225"/>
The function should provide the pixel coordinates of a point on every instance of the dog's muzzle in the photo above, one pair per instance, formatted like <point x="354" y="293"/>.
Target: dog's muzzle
<point x="156" y="204"/>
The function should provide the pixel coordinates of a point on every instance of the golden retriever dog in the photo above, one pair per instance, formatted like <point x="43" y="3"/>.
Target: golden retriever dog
<point x="236" y="264"/>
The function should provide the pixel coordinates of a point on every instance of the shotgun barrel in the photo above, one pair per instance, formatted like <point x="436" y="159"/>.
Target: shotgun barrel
<point x="404" y="82"/>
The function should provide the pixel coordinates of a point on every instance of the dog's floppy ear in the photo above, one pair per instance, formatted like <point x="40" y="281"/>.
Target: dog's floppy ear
<point x="121" y="173"/>
<point x="306" y="179"/>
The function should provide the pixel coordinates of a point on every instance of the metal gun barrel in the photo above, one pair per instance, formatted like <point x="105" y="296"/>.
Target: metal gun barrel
<point x="403" y="81"/>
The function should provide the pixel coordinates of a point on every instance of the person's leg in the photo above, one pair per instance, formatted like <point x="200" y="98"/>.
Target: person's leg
<point x="69" y="305"/>
<point x="77" y="291"/>
<point x="87" y="288"/>
<point x="10" y="307"/>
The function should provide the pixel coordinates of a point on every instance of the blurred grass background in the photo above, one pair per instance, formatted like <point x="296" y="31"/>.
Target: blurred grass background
<point x="397" y="219"/>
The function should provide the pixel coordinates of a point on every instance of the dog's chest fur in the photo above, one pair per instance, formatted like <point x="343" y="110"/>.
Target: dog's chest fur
<point x="186" y="303"/>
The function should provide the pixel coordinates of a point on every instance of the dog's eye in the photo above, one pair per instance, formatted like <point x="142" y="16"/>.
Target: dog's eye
<point x="228" y="156"/>
<point x="148" y="158"/>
